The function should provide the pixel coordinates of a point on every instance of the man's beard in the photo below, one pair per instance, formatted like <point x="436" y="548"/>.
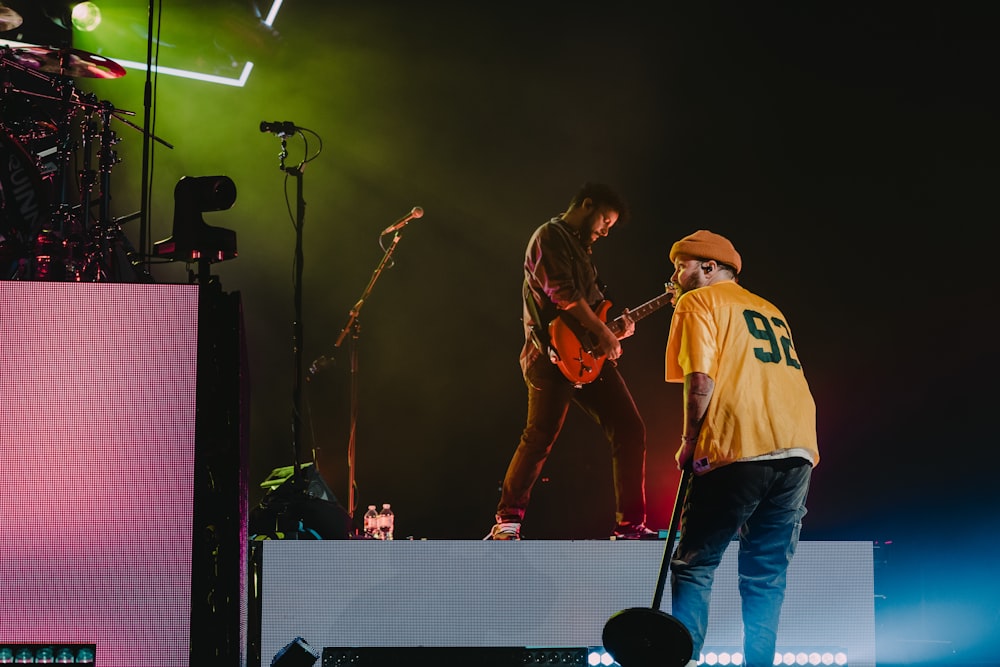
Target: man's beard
<point x="587" y="229"/>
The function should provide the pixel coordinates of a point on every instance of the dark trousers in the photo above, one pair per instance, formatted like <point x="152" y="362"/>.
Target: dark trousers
<point x="609" y="403"/>
<point x="762" y="503"/>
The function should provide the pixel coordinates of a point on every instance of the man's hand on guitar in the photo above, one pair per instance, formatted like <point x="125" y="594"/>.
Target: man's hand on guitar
<point x="671" y="288"/>
<point x="628" y="325"/>
<point x="607" y="344"/>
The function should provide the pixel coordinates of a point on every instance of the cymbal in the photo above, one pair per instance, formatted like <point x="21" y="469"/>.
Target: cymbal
<point x="9" y="19"/>
<point x="68" y="62"/>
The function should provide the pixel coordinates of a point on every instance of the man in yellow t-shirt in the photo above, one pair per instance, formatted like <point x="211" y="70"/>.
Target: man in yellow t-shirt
<point x="749" y="439"/>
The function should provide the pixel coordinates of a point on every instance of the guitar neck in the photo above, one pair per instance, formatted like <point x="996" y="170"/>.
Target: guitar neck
<point x="640" y="312"/>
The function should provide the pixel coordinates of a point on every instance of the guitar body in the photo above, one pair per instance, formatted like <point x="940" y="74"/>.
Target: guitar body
<point x="574" y="348"/>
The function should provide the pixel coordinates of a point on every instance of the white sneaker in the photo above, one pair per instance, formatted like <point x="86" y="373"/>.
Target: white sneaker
<point x="505" y="530"/>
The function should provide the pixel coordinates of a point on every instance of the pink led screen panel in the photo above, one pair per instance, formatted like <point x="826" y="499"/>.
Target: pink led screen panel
<point x="97" y="439"/>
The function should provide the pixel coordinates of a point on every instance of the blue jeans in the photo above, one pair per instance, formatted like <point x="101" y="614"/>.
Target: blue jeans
<point x="763" y="503"/>
<point x="609" y="403"/>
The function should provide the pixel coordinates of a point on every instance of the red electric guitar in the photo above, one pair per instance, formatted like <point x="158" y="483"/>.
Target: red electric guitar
<point x="574" y="348"/>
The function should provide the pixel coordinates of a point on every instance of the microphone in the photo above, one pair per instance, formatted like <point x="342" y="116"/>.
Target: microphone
<point x="417" y="212"/>
<point x="280" y="128"/>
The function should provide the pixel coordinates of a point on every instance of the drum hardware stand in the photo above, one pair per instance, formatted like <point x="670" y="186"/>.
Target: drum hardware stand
<point x="107" y="158"/>
<point x="138" y="260"/>
<point x="88" y="178"/>
<point x="66" y="144"/>
<point x="106" y="231"/>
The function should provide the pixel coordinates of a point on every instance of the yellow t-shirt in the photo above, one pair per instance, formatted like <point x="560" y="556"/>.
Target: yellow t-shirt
<point x="761" y="405"/>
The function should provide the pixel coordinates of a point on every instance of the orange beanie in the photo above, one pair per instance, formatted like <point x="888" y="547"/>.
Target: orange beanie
<point x="704" y="244"/>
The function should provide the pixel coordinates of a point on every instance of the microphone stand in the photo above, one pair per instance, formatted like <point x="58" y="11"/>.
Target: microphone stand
<point x="145" y="223"/>
<point x="354" y="327"/>
<point x="297" y="482"/>
<point x="297" y="335"/>
<point x="298" y="329"/>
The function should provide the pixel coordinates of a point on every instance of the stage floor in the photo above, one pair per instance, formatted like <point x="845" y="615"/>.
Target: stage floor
<point x="455" y="593"/>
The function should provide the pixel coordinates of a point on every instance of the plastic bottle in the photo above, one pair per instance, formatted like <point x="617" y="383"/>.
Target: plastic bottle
<point x="386" y="521"/>
<point x="371" y="524"/>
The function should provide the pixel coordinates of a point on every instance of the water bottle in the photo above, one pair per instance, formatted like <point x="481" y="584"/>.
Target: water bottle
<point x="386" y="521"/>
<point x="371" y="524"/>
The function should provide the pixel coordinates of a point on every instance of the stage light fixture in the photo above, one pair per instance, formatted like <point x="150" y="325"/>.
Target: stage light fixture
<point x="297" y="653"/>
<point x="86" y="16"/>
<point x="192" y="239"/>
<point x="78" y="654"/>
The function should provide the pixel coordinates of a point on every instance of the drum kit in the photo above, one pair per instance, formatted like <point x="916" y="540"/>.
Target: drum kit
<point x="56" y="158"/>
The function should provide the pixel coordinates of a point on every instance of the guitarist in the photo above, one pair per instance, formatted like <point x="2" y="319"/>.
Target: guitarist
<point x="561" y="281"/>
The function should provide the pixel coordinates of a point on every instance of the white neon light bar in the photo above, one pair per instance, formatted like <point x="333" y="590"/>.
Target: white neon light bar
<point x="273" y="14"/>
<point x="239" y="82"/>
<point x="187" y="74"/>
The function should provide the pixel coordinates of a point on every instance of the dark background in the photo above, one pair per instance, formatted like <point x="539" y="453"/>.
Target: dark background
<point x="848" y="152"/>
